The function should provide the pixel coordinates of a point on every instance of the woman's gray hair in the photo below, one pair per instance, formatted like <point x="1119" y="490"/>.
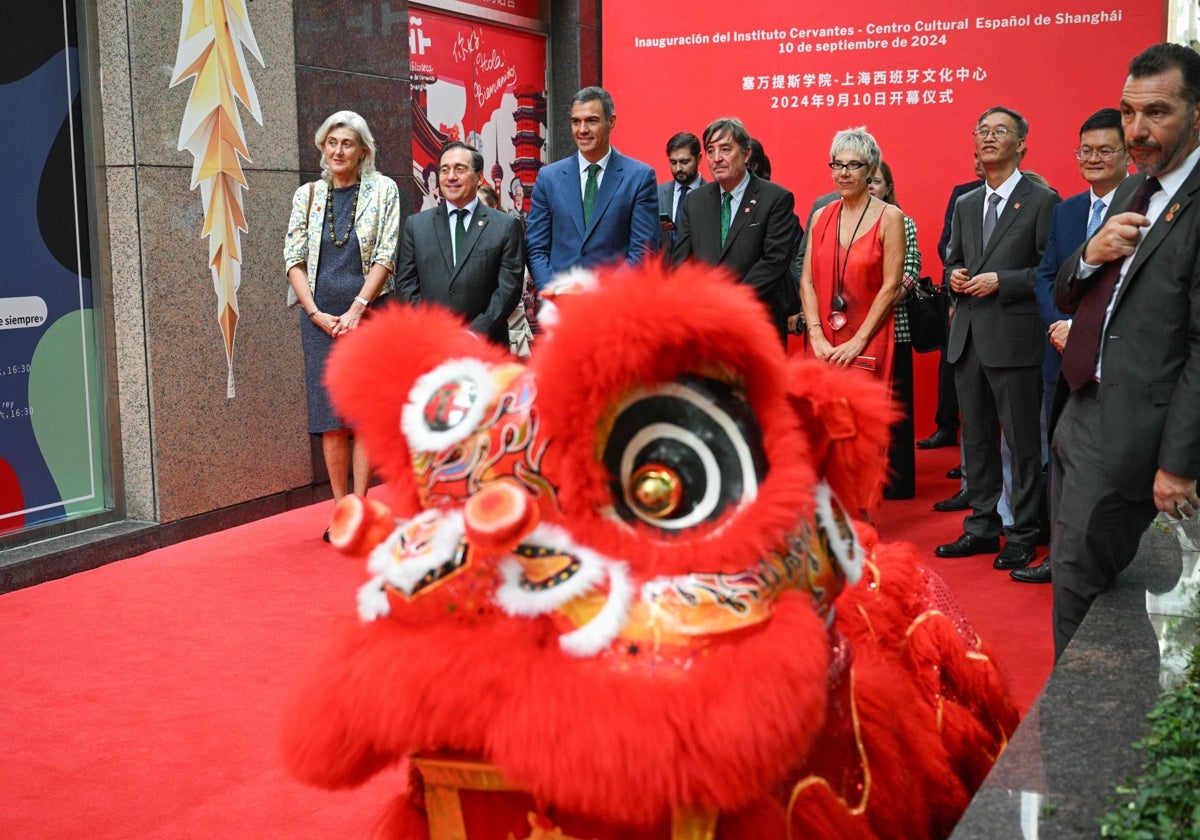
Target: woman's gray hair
<point x="352" y="121"/>
<point x="858" y="142"/>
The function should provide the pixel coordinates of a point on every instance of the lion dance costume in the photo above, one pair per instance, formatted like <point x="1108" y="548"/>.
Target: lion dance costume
<point x="622" y="597"/>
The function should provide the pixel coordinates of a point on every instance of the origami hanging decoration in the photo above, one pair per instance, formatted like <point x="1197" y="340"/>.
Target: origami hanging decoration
<point x="211" y="39"/>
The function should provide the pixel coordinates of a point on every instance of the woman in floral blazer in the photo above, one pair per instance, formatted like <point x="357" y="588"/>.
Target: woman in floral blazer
<point x="340" y="255"/>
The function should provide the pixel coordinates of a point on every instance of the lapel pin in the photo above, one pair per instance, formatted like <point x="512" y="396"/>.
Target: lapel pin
<point x="1171" y="212"/>
<point x="747" y="210"/>
<point x="1017" y="206"/>
<point x="480" y="223"/>
<point x="754" y="201"/>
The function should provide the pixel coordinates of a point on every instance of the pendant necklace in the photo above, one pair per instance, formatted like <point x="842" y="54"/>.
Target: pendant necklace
<point x="350" y="227"/>
<point x="837" y="315"/>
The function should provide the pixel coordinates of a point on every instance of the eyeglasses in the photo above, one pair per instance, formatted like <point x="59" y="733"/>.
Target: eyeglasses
<point x="458" y="169"/>
<point x="1105" y="153"/>
<point x="999" y="133"/>
<point x="853" y="165"/>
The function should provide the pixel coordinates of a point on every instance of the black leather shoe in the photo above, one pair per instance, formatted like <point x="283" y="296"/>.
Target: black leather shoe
<point x="1033" y="574"/>
<point x="956" y="502"/>
<point x="967" y="545"/>
<point x="954" y="472"/>
<point x="940" y="438"/>
<point x="1014" y="556"/>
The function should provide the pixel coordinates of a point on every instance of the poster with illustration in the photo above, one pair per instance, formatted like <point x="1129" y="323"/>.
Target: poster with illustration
<point x="484" y="85"/>
<point x="52" y="439"/>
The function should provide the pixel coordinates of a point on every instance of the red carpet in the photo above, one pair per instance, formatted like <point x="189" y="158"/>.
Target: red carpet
<point x="140" y="700"/>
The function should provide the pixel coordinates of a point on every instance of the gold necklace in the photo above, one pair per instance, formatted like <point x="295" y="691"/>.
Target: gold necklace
<point x="349" y="228"/>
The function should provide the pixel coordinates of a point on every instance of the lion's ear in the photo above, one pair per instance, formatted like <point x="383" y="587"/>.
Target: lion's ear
<point x="846" y="417"/>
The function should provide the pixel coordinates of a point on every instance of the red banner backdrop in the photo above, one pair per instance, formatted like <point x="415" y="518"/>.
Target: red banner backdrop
<point x="484" y="85"/>
<point x="916" y="74"/>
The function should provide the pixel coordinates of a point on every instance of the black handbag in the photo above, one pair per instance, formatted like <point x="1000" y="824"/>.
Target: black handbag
<point x="928" y="308"/>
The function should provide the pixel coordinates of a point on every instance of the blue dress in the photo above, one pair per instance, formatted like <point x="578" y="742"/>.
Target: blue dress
<point x="339" y="281"/>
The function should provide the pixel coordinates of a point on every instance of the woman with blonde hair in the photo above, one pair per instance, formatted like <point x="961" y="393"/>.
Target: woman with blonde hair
<point x="340" y="257"/>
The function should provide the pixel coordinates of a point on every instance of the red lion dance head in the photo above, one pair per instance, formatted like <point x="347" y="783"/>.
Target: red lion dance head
<point x="622" y="588"/>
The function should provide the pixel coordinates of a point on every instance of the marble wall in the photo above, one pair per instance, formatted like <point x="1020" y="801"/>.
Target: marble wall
<point x="187" y="449"/>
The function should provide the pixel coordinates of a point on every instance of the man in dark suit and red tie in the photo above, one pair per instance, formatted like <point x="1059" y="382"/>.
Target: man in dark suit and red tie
<point x="594" y="208"/>
<point x="996" y="340"/>
<point x="741" y="222"/>
<point x="462" y="254"/>
<point x="1103" y="163"/>
<point x="1127" y="434"/>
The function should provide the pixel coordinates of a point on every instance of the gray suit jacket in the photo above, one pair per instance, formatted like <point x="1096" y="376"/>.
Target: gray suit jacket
<point x="487" y="282"/>
<point x="1005" y="328"/>
<point x="1150" y="382"/>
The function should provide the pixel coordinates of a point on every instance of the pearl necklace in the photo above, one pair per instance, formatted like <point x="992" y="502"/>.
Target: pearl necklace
<point x="350" y="228"/>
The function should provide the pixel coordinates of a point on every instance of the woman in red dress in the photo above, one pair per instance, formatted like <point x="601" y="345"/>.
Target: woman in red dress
<point x="852" y="270"/>
<point x="853" y="264"/>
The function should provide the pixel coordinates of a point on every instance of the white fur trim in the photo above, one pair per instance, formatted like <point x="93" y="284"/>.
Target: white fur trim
<point x="570" y="282"/>
<point x="416" y="547"/>
<point x="421" y="438"/>
<point x="372" y="600"/>
<point x="848" y="552"/>
<point x="517" y="601"/>
<point x="600" y="632"/>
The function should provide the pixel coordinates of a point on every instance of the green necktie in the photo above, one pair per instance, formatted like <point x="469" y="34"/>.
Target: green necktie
<point x="589" y="192"/>
<point x="726" y="212"/>
<point x="460" y="234"/>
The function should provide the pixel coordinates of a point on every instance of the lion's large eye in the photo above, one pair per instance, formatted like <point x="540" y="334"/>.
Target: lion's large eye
<point x="682" y="453"/>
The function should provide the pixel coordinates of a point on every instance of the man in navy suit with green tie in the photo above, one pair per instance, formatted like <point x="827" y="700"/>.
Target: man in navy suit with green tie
<point x="594" y="208"/>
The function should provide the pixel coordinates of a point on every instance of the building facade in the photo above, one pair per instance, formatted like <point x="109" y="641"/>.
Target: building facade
<point x="152" y="388"/>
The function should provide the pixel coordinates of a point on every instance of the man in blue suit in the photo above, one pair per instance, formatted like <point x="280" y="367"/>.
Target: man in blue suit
<point x="1103" y="163"/>
<point x="596" y="207"/>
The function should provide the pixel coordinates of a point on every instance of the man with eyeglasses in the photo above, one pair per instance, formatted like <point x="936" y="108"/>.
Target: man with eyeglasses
<point x="1126" y="437"/>
<point x="996" y="340"/>
<point x="1103" y="163"/>
<point x="463" y="254"/>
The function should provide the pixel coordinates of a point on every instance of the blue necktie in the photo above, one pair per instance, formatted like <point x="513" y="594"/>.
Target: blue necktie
<point x="1097" y="217"/>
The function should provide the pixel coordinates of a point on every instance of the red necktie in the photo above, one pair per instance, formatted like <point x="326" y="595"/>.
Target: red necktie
<point x="1083" y="344"/>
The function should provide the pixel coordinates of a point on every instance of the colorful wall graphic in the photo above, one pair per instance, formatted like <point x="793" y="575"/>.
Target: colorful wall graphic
<point x="211" y="39"/>
<point x="51" y="418"/>
<point x="484" y="85"/>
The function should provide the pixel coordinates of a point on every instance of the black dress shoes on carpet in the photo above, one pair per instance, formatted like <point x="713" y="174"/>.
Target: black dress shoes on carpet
<point x="1015" y="556"/>
<point x="956" y="502"/>
<point x="954" y="472"/>
<point x="1033" y="574"/>
<point x="968" y="545"/>
<point x="940" y="438"/>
